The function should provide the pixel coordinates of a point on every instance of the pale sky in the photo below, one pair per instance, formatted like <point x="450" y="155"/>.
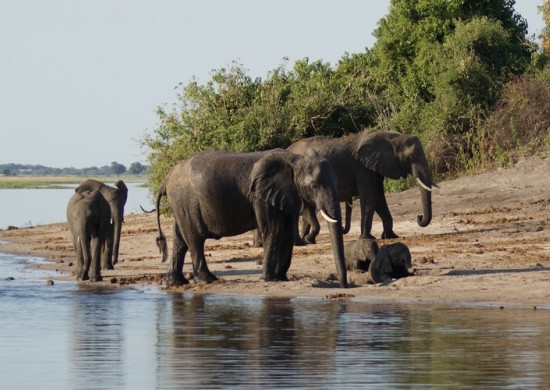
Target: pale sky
<point x="80" y="80"/>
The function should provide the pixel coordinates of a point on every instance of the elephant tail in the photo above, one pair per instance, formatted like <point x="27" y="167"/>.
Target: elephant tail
<point x="161" y="239"/>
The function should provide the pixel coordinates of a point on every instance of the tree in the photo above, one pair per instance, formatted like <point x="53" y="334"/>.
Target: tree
<point x="545" y="34"/>
<point x="136" y="168"/>
<point x="117" y="169"/>
<point x="431" y="54"/>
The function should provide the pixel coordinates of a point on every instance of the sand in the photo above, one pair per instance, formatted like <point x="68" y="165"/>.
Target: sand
<point x="488" y="245"/>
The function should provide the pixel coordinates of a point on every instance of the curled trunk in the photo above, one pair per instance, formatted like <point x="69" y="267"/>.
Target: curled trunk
<point x="426" y="217"/>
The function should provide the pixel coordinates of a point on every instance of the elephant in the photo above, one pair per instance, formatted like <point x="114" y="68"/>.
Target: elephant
<point x="361" y="162"/>
<point x="88" y="217"/>
<point x="359" y="254"/>
<point x="216" y="194"/>
<point x="392" y="261"/>
<point x="116" y="196"/>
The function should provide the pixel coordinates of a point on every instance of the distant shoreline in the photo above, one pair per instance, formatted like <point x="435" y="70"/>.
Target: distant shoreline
<point x="59" y="182"/>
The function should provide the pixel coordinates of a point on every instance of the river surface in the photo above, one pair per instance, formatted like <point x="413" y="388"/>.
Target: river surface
<point x="77" y="336"/>
<point x="31" y="207"/>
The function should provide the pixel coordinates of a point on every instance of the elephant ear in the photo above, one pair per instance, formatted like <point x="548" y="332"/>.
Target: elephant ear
<point x="122" y="191"/>
<point x="272" y="181"/>
<point x="377" y="153"/>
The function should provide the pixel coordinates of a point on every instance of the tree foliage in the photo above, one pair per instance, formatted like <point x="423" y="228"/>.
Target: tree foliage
<point x="438" y="66"/>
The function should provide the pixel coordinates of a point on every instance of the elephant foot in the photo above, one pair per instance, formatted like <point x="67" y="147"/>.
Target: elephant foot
<point x="275" y="278"/>
<point x="367" y="236"/>
<point x="96" y="278"/>
<point x="173" y="280"/>
<point x="84" y="276"/>
<point x="389" y="234"/>
<point x="206" y="276"/>
<point x="298" y="241"/>
<point x="107" y="266"/>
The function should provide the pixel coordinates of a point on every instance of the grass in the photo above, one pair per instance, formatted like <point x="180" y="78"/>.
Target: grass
<point x="20" y="182"/>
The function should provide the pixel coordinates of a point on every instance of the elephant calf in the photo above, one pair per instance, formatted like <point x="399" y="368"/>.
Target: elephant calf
<point x="391" y="262"/>
<point x="360" y="253"/>
<point x="88" y="217"/>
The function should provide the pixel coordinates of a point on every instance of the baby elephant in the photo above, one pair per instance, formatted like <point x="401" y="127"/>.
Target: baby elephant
<point x="392" y="262"/>
<point x="88" y="216"/>
<point x="359" y="254"/>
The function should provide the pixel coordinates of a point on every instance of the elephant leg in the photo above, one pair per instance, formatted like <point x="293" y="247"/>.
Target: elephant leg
<point x="383" y="210"/>
<point x="200" y="268"/>
<point x="95" y="267"/>
<point x="349" y="207"/>
<point x="367" y="213"/>
<point x="107" y="251"/>
<point x="309" y="216"/>
<point x="286" y="256"/>
<point x="79" y="258"/>
<point x="278" y="231"/>
<point x="302" y="230"/>
<point x="86" y="258"/>
<point x="195" y="243"/>
<point x="257" y="241"/>
<point x="175" y="277"/>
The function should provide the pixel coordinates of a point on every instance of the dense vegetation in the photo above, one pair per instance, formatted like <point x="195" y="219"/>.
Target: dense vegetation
<point x="460" y="74"/>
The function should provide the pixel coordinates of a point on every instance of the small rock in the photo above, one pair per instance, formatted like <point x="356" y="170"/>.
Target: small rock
<point x="49" y="282"/>
<point x="114" y="280"/>
<point x="10" y="278"/>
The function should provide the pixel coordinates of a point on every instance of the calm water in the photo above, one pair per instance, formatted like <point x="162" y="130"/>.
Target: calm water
<point x="30" y="207"/>
<point x="70" y="336"/>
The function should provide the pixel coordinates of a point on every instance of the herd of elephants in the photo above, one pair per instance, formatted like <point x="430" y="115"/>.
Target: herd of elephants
<point x="217" y="194"/>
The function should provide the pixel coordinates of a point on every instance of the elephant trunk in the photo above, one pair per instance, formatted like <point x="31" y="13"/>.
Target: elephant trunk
<point x="422" y="174"/>
<point x="426" y="217"/>
<point x="333" y="217"/>
<point x="117" y="221"/>
<point x="349" y="207"/>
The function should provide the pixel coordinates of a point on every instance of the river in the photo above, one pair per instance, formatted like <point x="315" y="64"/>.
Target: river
<point x="79" y="336"/>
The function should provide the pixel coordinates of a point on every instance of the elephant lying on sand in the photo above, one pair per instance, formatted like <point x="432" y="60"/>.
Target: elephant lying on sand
<point x="217" y="194"/>
<point x="361" y="162"/>
<point x="359" y="254"/>
<point x="88" y="217"/>
<point x="116" y="197"/>
<point x="391" y="262"/>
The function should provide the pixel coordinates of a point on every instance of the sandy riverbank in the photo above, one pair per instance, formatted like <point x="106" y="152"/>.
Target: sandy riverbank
<point x="488" y="243"/>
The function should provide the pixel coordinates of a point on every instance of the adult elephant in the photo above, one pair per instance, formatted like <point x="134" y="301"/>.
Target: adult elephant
<point x="217" y="194"/>
<point x="88" y="217"/>
<point x="116" y="197"/>
<point x="361" y="162"/>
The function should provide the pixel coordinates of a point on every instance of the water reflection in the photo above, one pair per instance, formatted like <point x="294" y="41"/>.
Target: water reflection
<point x="82" y="336"/>
<point x="97" y="338"/>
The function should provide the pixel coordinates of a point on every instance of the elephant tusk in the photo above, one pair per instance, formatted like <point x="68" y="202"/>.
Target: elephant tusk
<point x="350" y="204"/>
<point x="325" y="216"/>
<point x="427" y="188"/>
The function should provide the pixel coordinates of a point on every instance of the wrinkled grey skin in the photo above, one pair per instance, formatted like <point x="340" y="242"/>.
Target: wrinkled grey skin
<point x="116" y="196"/>
<point x="391" y="262"/>
<point x="361" y="162"/>
<point x="359" y="254"/>
<point x="218" y="194"/>
<point x="88" y="217"/>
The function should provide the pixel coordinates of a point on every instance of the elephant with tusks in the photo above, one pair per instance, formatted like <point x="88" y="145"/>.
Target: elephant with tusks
<point x="362" y="161"/>
<point x="217" y="194"/>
